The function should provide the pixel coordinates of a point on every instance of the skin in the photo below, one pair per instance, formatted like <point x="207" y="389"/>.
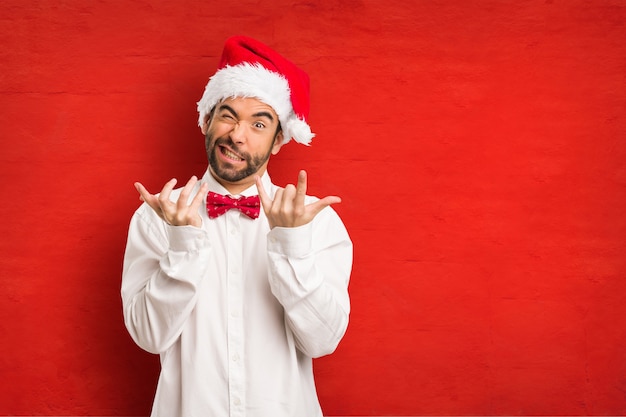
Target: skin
<point x="240" y="136"/>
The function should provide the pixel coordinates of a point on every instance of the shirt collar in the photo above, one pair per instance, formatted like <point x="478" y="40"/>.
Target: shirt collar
<point x="216" y="187"/>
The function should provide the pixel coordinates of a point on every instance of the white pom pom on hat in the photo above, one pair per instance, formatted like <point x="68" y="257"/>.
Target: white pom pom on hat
<point x="248" y="68"/>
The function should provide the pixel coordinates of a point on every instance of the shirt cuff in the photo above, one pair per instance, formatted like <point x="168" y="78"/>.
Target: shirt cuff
<point x="294" y="242"/>
<point x="187" y="238"/>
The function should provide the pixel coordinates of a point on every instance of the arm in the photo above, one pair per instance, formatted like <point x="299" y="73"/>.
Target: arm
<point x="309" y="270"/>
<point x="162" y="269"/>
<point x="310" y="259"/>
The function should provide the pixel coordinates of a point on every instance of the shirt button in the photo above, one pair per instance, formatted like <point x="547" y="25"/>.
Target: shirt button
<point x="237" y="401"/>
<point x="236" y="357"/>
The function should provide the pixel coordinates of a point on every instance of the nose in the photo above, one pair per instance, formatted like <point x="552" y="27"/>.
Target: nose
<point x="238" y="133"/>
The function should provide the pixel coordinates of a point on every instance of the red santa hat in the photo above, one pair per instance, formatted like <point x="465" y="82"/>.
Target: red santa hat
<point x="248" y="68"/>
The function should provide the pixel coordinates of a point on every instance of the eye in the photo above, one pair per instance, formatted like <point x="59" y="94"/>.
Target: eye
<point x="258" y="125"/>
<point x="227" y="116"/>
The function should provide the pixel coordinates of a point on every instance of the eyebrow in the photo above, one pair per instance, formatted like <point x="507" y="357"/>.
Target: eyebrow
<point x="258" y="114"/>
<point x="264" y="114"/>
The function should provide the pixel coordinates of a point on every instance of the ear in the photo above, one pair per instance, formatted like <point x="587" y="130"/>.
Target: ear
<point x="278" y="142"/>
<point x="205" y="125"/>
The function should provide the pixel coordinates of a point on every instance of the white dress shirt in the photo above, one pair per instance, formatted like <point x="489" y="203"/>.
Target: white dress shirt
<point x="236" y="311"/>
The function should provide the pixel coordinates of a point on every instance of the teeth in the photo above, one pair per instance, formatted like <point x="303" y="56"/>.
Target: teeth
<point x="231" y="155"/>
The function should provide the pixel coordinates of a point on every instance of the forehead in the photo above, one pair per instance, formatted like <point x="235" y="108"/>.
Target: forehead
<point x="245" y="106"/>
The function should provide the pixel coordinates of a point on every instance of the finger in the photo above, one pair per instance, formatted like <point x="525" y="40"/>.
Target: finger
<point x="266" y="200"/>
<point x="164" y="195"/>
<point x="319" y="205"/>
<point x="148" y="198"/>
<point x="183" y="199"/>
<point x="276" y="205"/>
<point x="143" y="193"/>
<point x="301" y="189"/>
<point x="199" y="198"/>
<point x="287" y="202"/>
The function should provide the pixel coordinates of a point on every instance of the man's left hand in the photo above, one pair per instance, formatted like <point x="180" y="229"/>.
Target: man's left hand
<point x="287" y="209"/>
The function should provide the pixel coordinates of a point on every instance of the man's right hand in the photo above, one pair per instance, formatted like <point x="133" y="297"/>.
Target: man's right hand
<point x="179" y="213"/>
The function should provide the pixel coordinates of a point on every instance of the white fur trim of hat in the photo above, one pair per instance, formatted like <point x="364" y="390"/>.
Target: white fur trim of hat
<point x="254" y="80"/>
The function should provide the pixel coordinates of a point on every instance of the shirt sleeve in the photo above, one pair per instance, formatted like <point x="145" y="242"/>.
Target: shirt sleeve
<point x="309" y="271"/>
<point x="162" y="270"/>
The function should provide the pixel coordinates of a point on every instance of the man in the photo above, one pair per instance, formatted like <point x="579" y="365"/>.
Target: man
<point x="238" y="305"/>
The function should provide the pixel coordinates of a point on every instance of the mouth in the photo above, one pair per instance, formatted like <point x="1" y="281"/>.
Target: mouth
<point x="230" y="155"/>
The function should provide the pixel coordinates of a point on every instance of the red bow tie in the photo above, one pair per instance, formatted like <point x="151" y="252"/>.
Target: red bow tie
<point x="218" y="204"/>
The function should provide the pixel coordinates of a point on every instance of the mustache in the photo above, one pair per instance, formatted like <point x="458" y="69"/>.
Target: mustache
<point x="227" y="141"/>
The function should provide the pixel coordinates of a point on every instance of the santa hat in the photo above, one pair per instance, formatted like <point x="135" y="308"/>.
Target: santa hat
<point x="249" y="68"/>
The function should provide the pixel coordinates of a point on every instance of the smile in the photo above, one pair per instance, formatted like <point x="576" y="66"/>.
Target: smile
<point x="230" y="154"/>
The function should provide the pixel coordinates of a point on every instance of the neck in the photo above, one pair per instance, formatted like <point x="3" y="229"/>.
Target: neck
<point x="236" y="188"/>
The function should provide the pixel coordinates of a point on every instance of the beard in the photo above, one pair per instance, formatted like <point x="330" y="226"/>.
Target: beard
<point x="227" y="171"/>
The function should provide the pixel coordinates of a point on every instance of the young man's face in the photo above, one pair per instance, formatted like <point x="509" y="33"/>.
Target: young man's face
<point x="240" y="135"/>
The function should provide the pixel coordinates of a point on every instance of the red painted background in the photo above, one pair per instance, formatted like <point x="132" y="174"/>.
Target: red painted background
<point x="479" y="148"/>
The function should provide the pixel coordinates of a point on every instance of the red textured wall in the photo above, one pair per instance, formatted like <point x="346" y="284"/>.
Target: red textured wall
<point x="478" y="146"/>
